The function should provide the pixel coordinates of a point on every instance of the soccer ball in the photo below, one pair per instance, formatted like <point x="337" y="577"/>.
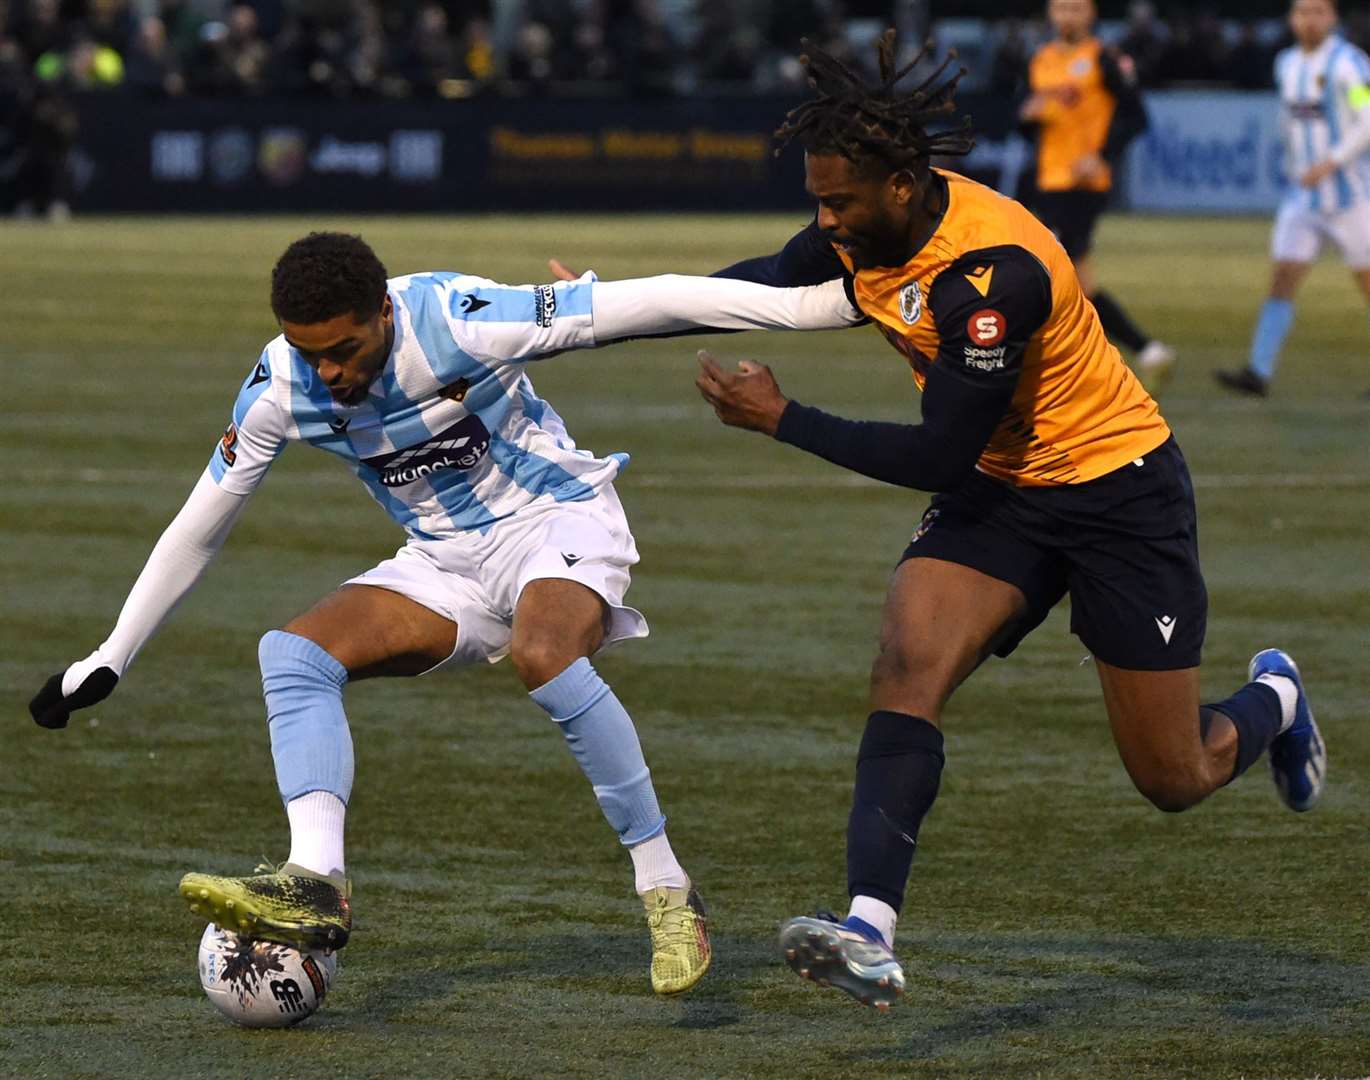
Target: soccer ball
<point x="263" y="983"/>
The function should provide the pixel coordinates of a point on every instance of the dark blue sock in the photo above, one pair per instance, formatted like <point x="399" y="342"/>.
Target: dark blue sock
<point x="1256" y="714"/>
<point x="898" y="770"/>
<point x="1116" y="323"/>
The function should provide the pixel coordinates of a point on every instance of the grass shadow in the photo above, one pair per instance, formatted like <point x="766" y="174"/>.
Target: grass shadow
<point x="1074" y="985"/>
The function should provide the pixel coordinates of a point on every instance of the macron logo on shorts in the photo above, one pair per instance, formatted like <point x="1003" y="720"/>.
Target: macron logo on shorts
<point x="1166" y="625"/>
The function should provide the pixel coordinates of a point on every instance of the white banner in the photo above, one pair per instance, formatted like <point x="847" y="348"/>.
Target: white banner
<point x="1208" y="151"/>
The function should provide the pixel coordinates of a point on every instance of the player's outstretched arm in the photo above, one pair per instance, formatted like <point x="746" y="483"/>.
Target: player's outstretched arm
<point x="502" y="322"/>
<point x="675" y="303"/>
<point x="936" y="455"/>
<point x="969" y="387"/>
<point x="180" y="557"/>
<point x="249" y="445"/>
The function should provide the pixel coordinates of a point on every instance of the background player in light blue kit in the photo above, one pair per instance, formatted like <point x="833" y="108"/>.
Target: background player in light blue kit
<point x="1324" y="87"/>
<point x="517" y="545"/>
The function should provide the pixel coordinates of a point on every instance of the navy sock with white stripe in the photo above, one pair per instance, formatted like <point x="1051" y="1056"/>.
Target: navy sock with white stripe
<point x="1257" y="713"/>
<point x="898" y="770"/>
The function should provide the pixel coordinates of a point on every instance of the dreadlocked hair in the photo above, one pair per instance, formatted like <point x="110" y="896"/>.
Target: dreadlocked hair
<point x="863" y="122"/>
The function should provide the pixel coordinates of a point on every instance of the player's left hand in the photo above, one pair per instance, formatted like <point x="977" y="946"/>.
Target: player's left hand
<point x="1317" y="174"/>
<point x="561" y="271"/>
<point x="748" y="398"/>
<point x="85" y="683"/>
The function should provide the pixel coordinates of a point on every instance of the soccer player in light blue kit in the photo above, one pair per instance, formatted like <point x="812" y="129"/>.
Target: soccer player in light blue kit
<point x="517" y="545"/>
<point x="1324" y="86"/>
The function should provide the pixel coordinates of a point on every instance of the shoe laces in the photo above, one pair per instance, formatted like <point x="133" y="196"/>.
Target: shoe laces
<point x="676" y="932"/>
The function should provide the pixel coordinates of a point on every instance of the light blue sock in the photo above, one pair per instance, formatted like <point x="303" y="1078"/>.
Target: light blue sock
<point x="310" y="741"/>
<point x="1272" y="327"/>
<point x="601" y="735"/>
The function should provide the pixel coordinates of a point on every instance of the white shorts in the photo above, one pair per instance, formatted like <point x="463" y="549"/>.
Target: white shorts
<point x="476" y="580"/>
<point x="1299" y="234"/>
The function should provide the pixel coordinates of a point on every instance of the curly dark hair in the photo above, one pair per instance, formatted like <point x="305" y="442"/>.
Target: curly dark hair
<point x="324" y="275"/>
<point x="877" y="124"/>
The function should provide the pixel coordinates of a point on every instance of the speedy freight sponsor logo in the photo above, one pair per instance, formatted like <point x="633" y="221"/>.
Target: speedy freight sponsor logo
<point x="460" y="446"/>
<point x="986" y="359"/>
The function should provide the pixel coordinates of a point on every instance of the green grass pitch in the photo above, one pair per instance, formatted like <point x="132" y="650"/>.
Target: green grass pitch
<point x="1056" y="925"/>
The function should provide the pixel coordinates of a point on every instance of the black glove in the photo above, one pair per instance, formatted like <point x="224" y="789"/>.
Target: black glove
<point x="51" y="710"/>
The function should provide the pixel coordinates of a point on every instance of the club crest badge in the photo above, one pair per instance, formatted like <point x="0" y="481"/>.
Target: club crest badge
<point x="911" y="302"/>
<point x="456" y="391"/>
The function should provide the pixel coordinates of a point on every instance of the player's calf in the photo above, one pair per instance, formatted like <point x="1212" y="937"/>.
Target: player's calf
<point x="600" y="734"/>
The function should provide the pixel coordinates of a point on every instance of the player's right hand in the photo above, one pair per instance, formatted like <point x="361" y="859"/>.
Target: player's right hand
<point x="81" y="685"/>
<point x="749" y="398"/>
<point x="560" y="270"/>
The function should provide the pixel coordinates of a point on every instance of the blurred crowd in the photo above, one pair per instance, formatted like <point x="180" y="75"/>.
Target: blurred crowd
<point x="455" y="48"/>
<point x="52" y="49"/>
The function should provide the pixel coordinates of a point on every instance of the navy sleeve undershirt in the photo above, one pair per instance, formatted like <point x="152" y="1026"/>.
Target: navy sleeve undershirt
<point x="1129" y="114"/>
<point x="806" y="259"/>
<point x="936" y="455"/>
<point x="969" y="388"/>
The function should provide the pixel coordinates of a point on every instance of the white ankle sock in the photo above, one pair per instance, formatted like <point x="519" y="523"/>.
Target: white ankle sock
<point x="1289" y="697"/>
<point x="316" y="832"/>
<point x="654" y="863"/>
<point x="878" y="913"/>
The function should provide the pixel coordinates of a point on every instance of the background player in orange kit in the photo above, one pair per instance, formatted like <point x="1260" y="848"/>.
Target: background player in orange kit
<point x="1054" y="473"/>
<point x="1085" y="108"/>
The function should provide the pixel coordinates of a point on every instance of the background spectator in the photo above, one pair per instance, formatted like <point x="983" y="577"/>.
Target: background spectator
<point x="590" y="47"/>
<point x="151" y="68"/>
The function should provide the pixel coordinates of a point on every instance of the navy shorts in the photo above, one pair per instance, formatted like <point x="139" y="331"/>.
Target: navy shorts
<point x="1124" y="546"/>
<point x="1071" y="215"/>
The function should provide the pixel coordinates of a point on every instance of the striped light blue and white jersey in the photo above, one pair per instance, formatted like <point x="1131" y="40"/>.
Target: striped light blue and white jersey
<point x="452" y="436"/>
<point x="1325" y="113"/>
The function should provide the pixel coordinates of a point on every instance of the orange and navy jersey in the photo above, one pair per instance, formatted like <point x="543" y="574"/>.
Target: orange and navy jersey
<point x="993" y="299"/>
<point x="1090" y="106"/>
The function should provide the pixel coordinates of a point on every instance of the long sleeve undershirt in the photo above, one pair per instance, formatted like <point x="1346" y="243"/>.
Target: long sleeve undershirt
<point x="966" y="394"/>
<point x="1129" y="112"/>
<point x="187" y="546"/>
<point x="936" y="455"/>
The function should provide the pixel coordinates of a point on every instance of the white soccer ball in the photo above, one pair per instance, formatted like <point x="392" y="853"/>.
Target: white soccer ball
<point x="263" y="983"/>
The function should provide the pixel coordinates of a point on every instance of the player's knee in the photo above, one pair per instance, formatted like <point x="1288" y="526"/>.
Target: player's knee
<point x="900" y="669"/>
<point x="539" y="657"/>
<point x="1172" y="792"/>
<point x="291" y="661"/>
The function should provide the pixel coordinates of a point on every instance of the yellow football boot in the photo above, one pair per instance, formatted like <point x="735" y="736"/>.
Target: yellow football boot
<point x="680" y="938"/>
<point x="291" y="905"/>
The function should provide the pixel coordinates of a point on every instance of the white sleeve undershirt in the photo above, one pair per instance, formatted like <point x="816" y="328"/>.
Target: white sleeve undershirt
<point x="1355" y="140"/>
<point x="179" y="558"/>
<point x="674" y="302"/>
